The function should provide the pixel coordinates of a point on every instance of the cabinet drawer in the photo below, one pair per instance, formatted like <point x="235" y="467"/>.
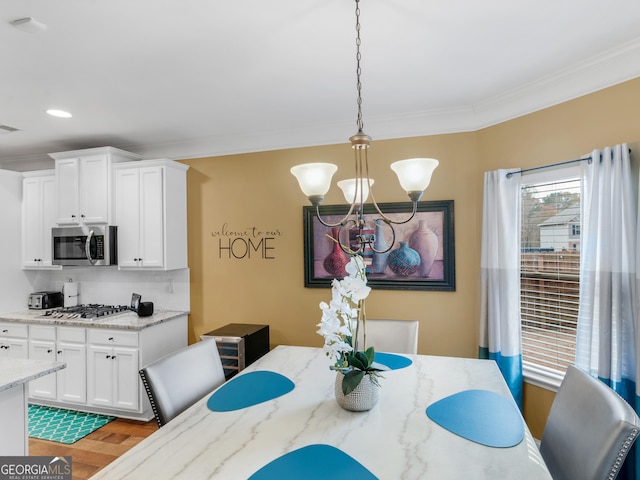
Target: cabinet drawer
<point x="114" y="337"/>
<point x="71" y="334"/>
<point x="42" y="332"/>
<point x="14" y="330"/>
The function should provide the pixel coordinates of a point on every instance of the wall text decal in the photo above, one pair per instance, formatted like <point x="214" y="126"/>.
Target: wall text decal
<point x="247" y="242"/>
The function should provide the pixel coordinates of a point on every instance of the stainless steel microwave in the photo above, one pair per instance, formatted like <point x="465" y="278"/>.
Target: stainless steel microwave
<point x="84" y="246"/>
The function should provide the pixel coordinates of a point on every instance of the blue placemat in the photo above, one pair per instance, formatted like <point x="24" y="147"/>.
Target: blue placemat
<point x="481" y="416"/>
<point x="392" y="361"/>
<point x="314" y="462"/>
<point x="249" y="389"/>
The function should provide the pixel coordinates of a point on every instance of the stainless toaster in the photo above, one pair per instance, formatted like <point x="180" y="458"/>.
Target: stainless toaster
<point x="44" y="300"/>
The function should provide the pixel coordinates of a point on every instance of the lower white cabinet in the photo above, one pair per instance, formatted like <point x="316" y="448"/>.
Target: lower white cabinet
<point x="62" y="344"/>
<point x="102" y="364"/>
<point x="113" y="369"/>
<point x="13" y="340"/>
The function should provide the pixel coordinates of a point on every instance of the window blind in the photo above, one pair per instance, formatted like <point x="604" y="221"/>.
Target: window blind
<point x="550" y="272"/>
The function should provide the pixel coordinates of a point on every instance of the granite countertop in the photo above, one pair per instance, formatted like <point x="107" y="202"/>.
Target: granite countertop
<point x="126" y="321"/>
<point x="16" y="371"/>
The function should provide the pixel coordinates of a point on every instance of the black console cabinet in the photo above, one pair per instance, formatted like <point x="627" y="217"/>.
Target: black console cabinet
<point x="240" y="344"/>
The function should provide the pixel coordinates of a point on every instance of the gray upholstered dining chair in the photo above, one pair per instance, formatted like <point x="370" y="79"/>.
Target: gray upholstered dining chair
<point x="589" y="431"/>
<point x="392" y="336"/>
<point x="178" y="380"/>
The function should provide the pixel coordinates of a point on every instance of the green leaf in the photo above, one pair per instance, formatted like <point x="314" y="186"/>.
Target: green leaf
<point x="357" y="362"/>
<point x="370" y="354"/>
<point x="351" y="380"/>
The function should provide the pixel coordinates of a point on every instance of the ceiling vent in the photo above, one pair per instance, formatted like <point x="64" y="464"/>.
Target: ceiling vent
<point x="7" y="129"/>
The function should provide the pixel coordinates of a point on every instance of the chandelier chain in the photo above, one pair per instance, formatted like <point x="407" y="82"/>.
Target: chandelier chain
<point x="359" y="122"/>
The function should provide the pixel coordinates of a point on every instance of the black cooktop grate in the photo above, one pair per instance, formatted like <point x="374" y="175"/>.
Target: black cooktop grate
<point x="88" y="311"/>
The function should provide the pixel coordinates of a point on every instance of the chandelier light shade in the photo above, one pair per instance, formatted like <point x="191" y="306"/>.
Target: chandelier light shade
<point x="414" y="174"/>
<point x="350" y="186"/>
<point x="315" y="180"/>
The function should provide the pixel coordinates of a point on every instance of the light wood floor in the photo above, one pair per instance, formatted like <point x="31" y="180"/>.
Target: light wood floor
<point x="98" y="449"/>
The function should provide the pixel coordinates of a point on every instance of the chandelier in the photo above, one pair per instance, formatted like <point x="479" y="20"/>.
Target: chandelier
<point x="413" y="174"/>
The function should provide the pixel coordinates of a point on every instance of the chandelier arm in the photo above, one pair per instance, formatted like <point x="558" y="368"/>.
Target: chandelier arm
<point x="348" y="250"/>
<point x="396" y="222"/>
<point x="342" y="222"/>
<point x="393" y="240"/>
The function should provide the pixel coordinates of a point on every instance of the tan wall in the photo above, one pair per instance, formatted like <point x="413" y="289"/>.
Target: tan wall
<point x="257" y="190"/>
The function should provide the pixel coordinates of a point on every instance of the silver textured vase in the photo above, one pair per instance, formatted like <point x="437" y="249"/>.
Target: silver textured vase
<point x="364" y="397"/>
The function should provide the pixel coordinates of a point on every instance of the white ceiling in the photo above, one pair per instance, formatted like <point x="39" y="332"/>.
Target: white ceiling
<point x="190" y="78"/>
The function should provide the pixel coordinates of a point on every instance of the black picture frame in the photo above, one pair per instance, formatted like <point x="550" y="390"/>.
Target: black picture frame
<point x="433" y="218"/>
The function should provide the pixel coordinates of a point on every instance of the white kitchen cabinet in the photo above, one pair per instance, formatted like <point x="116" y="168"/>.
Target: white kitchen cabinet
<point x="43" y="387"/>
<point x="113" y="369"/>
<point x="39" y="214"/>
<point x="101" y="375"/>
<point x="151" y="214"/>
<point x="13" y="340"/>
<point x="85" y="183"/>
<point x="62" y="344"/>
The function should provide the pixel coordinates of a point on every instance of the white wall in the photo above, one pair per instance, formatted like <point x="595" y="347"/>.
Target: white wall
<point x="14" y="285"/>
<point x="110" y="286"/>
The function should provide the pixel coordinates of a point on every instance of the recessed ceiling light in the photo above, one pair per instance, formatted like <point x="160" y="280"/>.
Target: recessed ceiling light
<point x="59" y="113"/>
<point x="28" y="24"/>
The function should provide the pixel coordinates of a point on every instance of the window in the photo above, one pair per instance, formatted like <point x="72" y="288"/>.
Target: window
<point x="549" y="275"/>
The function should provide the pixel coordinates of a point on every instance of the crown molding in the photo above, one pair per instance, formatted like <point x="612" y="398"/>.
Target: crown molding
<point x="595" y="73"/>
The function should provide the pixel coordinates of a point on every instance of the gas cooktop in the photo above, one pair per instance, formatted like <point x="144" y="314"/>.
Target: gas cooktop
<point x="89" y="311"/>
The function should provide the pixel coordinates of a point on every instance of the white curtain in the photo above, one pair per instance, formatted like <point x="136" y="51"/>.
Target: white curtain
<point x="606" y="336"/>
<point x="500" y="277"/>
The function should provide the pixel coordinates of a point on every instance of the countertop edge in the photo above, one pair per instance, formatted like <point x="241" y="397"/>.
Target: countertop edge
<point x="124" y="321"/>
<point x="33" y="369"/>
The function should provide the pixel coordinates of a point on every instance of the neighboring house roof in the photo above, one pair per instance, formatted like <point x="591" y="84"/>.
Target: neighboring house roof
<point x="567" y="216"/>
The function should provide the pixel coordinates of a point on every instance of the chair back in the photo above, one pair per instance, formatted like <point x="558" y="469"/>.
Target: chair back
<point x="589" y="431"/>
<point x="392" y="336"/>
<point x="178" y="380"/>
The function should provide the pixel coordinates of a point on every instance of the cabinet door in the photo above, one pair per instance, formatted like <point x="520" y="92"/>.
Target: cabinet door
<point x="100" y="376"/>
<point x="18" y="347"/>
<point x="152" y="217"/>
<point x="126" y="379"/>
<point x="49" y="216"/>
<point x="32" y="222"/>
<point x="43" y="387"/>
<point x="94" y="189"/>
<point x="128" y="216"/>
<point x="67" y="175"/>
<point x="72" y="380"/>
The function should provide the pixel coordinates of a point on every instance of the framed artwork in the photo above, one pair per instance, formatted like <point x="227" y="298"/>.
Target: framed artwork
<point x="421" y="258"/>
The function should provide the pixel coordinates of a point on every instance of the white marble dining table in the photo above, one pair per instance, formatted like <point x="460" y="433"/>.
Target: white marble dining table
<point x="394" y="440"/>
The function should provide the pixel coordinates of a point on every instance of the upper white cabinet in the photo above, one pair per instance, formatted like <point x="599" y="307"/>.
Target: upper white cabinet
<point x="151" y="214"/>
<point x="39" y="214"/>
<point x="84" y="184"/>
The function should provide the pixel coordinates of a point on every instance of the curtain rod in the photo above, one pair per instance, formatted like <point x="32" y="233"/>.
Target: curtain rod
<point x="589" y="158"/>
<point x="510" y="174"/>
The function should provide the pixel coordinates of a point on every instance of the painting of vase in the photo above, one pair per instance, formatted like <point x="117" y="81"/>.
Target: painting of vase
<point x="421" y="245"/>
<point x="425" y="242"/>
<point x="337" y="260"/>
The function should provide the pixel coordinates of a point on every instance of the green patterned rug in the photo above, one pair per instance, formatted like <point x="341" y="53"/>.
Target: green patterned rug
<point x="63" y="426"/>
